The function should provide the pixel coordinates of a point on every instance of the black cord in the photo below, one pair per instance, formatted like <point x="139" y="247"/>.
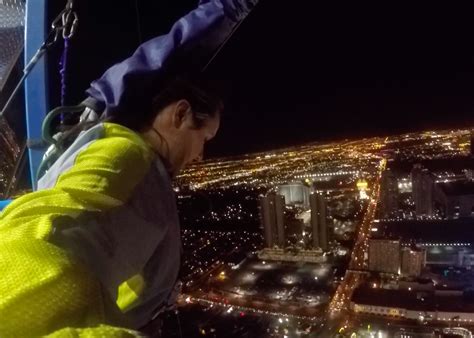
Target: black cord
<point x="139" y="26"/>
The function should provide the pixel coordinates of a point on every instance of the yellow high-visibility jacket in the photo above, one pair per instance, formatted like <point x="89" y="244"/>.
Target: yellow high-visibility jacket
<point x="105" y="214"/>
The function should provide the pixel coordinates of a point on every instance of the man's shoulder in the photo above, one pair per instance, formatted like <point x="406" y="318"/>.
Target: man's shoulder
<point x="119" y="138"/>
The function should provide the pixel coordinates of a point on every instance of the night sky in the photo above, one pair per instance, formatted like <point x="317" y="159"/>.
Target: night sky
<point x="301" y="72"/>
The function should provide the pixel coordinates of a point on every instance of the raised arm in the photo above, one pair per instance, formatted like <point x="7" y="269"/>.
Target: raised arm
<point x="131" y="84"/>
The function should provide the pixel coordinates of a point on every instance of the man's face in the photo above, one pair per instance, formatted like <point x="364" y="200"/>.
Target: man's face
<point x="189" y="145"/>
<point x="177" y="139"/>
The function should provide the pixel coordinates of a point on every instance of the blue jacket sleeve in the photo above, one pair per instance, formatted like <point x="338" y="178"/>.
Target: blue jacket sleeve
<point x="131" y="84"/>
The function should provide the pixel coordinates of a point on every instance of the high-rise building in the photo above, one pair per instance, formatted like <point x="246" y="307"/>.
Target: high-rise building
<point x="413" y="261"/>
<point x="388" y="194"/>
<point x="422" y="190"/>
<point x="280" y="220"/>
<point x="313" y="199"/>
<point x="295" y="194"/>
<point x="267" y="216"/>
<point x="384" y="255"/>
<point x="323" y="228"/>
<point x="272" y="215"/>
<point x="319" y="224"/>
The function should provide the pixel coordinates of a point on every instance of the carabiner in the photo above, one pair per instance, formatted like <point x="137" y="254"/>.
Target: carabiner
<point x="69" y="24"/>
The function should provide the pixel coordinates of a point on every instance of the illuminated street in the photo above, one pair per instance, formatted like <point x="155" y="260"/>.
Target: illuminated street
<point x="226" y="278"/>
<point x="342" y="297"/>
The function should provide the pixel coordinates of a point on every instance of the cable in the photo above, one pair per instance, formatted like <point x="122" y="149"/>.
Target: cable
<point x="139" y="29"/>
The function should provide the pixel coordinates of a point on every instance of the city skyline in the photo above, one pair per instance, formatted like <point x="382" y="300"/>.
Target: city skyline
<point x="395" y="251"/>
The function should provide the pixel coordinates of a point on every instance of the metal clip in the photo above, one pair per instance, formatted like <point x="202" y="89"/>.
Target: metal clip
<point x="57" y="22"/>
<point x="69" y="21"/>
<point x="66" y="22"/>
<point x="69" y="4"/>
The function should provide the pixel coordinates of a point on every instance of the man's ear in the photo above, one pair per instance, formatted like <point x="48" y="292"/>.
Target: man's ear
<point x="181" y="113"/>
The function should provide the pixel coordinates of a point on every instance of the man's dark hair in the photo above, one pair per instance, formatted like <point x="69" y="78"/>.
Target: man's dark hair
<point x="205" y="103"/>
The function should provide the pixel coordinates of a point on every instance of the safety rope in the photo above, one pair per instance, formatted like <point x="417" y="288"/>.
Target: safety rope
<point x="64" y="25"/>
<point x="223" y="44"/>
<point x="69" y="22"/>
<point x="62" y="73"/>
